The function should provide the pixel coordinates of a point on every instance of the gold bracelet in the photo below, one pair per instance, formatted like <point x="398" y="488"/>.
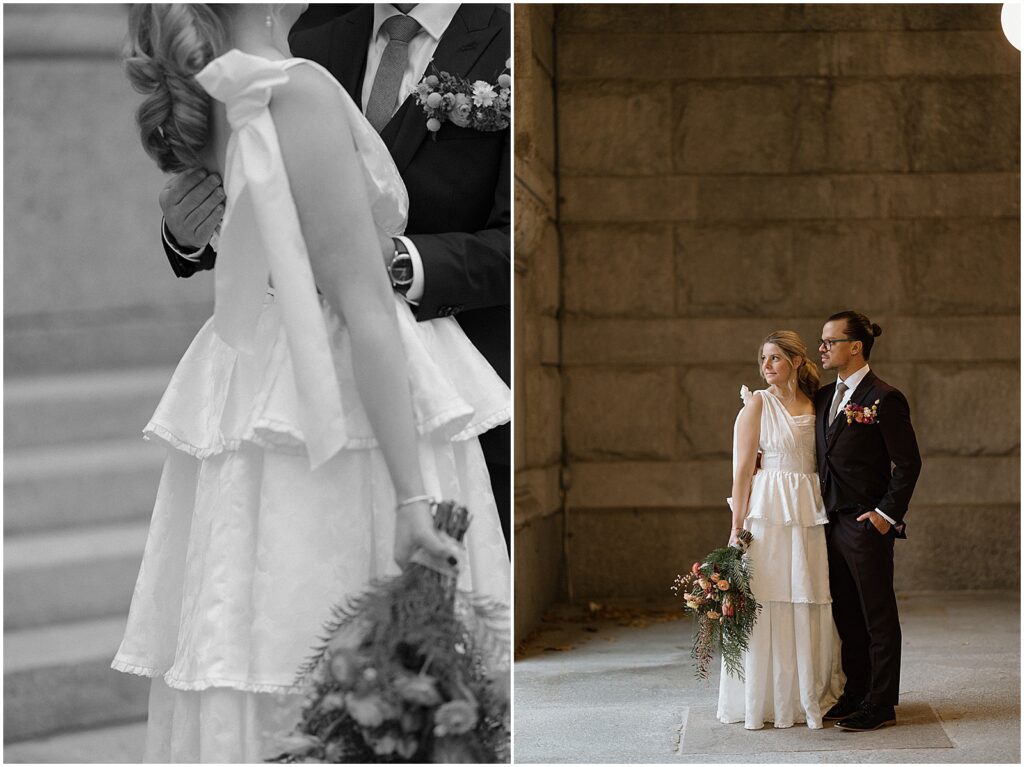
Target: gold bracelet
<point x="415" y="499"/>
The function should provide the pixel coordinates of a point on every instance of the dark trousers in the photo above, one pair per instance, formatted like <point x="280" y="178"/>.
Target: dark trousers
<point x="864" y="607"/>
<point x="501" y="487"/>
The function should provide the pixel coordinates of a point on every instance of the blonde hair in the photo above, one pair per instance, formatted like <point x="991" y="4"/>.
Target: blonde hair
<point x="808" y="378"/>
<point x="167" y="44"/>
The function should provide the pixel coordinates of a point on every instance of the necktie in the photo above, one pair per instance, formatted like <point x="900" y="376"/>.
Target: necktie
<point x="840" y="391"/>
<point x="384" y="94"/>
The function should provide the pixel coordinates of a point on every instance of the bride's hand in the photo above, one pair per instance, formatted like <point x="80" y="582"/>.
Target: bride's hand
<point x="414" y="529"/>
<point x="734" y="537"/>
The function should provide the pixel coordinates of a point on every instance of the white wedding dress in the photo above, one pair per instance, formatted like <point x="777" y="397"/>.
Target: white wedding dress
<point x="792" y="670"/>
<point x="275" y="502"/>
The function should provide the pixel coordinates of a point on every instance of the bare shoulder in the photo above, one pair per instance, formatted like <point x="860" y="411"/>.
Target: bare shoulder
<point x="752" y="406"/>
<point x="306" y="80"/>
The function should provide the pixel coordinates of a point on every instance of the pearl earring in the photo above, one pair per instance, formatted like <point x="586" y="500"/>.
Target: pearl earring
<point x="270" y="22"/>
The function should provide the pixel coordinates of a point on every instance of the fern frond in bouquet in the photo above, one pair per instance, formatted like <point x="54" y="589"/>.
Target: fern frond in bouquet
<point x="412" y="670"/>
<point x="717" y="591"/>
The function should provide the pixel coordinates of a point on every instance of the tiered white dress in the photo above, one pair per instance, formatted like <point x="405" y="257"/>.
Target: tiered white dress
<point x="275" y="501"/>
<point x="793" y="667"/>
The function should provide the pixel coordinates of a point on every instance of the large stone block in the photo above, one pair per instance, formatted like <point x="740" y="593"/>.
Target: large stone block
<point x="952" y="16"/>
<point x="923" y="54"/>
<point x="963" y="481"/>
<point x="696" y="341"/>
<point x="544" y="278"/>
<point x="648" y="484"/>
<point x="971" y="410"/>
<point x="733" y="269"/>
<point x="783" y="17"/>
<point x="613" y="56"/>
<point x="614" y="128"/>
<point x="619" y="269"/>
<point x="620" y="413"/>
<point x="965" y="267"/>
<point x="709" y="403"/>
<point x="952" y="195"/>
<point x="540" y="22"/>
<point x="543" y="416"/>
<point x="965" y="125"/>
<point x="725" y="127"/>
<point x="534" y="118"/>
<point x="863" y="127"/>
<point x="612" y="17"/>
<point x="539" y="572"/>
<point x="842" y="264"/>
<point x="628" y="552"/>
<point x="980" y="544"/>
<point x="648" y="198"/>
<point x="785" y="198"/>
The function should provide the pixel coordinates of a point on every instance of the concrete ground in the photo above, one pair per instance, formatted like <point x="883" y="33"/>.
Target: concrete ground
<point x="616" y="684"/>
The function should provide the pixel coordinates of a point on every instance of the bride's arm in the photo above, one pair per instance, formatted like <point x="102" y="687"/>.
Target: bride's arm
<point x="747" y="436"/>
<point x="327" y="185"/>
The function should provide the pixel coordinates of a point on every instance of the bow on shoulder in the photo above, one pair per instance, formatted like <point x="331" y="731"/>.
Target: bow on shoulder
<point x="261" y="239"/>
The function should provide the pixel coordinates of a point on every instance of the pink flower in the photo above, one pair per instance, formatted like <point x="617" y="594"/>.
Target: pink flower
<point x="462" y="108"/>
<point x="504" y="81"/>
<point x="434" y="100"/>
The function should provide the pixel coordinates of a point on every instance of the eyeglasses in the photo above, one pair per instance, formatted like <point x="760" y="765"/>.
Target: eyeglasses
<point x="827" y="342"/>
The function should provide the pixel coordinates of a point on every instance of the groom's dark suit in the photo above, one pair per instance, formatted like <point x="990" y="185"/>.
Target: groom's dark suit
<point x="459" y="184"/>
<point x="864" y="467"/>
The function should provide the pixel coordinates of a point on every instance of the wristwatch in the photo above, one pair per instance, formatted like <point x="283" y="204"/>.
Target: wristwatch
<point x="400" y="267"/>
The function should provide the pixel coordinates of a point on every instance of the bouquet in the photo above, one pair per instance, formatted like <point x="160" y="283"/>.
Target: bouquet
<point x="410" y="671"/>
<point x="445" y="97"/>
<point x="717" y="591"/>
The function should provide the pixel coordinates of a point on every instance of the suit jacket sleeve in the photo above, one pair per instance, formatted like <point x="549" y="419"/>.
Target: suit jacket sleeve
<point x="901" y="442"/>
<point x="184" y="267"/>
<point x="471" y="270"/>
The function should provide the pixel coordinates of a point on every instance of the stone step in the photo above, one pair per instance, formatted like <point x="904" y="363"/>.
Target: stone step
<point x="84" y="407"/>
<point x="71" y="575"/>
<point x="58" y="678"/>
<point x="52" y="487"/>
<point x="119" y="744"/>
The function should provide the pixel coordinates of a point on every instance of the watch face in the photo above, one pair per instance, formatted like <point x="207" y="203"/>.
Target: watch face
<point x="401" y="269"/>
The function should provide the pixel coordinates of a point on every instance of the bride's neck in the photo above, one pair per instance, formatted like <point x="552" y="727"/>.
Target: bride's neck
<point x="787" y="391"/>
<point x="253" y="36"/>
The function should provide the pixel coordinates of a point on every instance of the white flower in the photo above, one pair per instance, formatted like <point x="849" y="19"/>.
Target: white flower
<point x="483" y="93"/>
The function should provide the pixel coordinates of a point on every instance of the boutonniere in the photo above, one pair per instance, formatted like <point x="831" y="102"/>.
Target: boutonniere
<point x="484" y="106"/>
<point x="861" y="413"/>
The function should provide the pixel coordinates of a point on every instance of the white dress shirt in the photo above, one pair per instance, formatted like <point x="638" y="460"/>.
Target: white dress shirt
<point x="852" y="382"/>
<point x="434" y="19"/>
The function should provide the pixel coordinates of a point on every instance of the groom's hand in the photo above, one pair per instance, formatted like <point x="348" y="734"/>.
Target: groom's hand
<point x="876" y="519"/>
<point x="193" y="206"/>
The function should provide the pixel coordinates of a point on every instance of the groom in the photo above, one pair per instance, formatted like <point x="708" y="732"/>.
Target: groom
<point x="868" y="464"/>
<point x="455" y="257"/>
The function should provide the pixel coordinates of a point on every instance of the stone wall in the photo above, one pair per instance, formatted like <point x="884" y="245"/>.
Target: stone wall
<point x="538" y="386"/>
<point x="86" y="283"/>
<point x="725" y="171"/>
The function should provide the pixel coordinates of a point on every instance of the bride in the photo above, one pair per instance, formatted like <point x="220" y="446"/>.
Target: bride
<point x="791" y="671"/>
<point x="309" y="423"/>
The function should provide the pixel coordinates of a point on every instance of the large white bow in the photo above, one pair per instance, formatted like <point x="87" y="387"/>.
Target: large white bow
<point x="260" y="238"/>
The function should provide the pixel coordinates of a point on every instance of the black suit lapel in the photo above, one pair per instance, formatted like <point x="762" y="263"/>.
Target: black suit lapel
<point x="862" y="390"/>
<point x="348" y="51"/>
<point x="460" y="46"/>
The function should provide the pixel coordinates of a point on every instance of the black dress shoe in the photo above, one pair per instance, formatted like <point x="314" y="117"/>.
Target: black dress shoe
<point x="869" y="717"/>
<point x="847" y="705"/>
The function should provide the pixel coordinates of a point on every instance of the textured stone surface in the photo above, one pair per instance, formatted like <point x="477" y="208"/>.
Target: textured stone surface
<point x="617" y="129"/>
<point x="979" y="116"/>
<point x="821" y="157"/>
<point x="619" y="270"/>
<point x="969" y="410"/>
<point x="612" y="413"/>
<point x="538" y="288"/>
<point x="539" y="576"/>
